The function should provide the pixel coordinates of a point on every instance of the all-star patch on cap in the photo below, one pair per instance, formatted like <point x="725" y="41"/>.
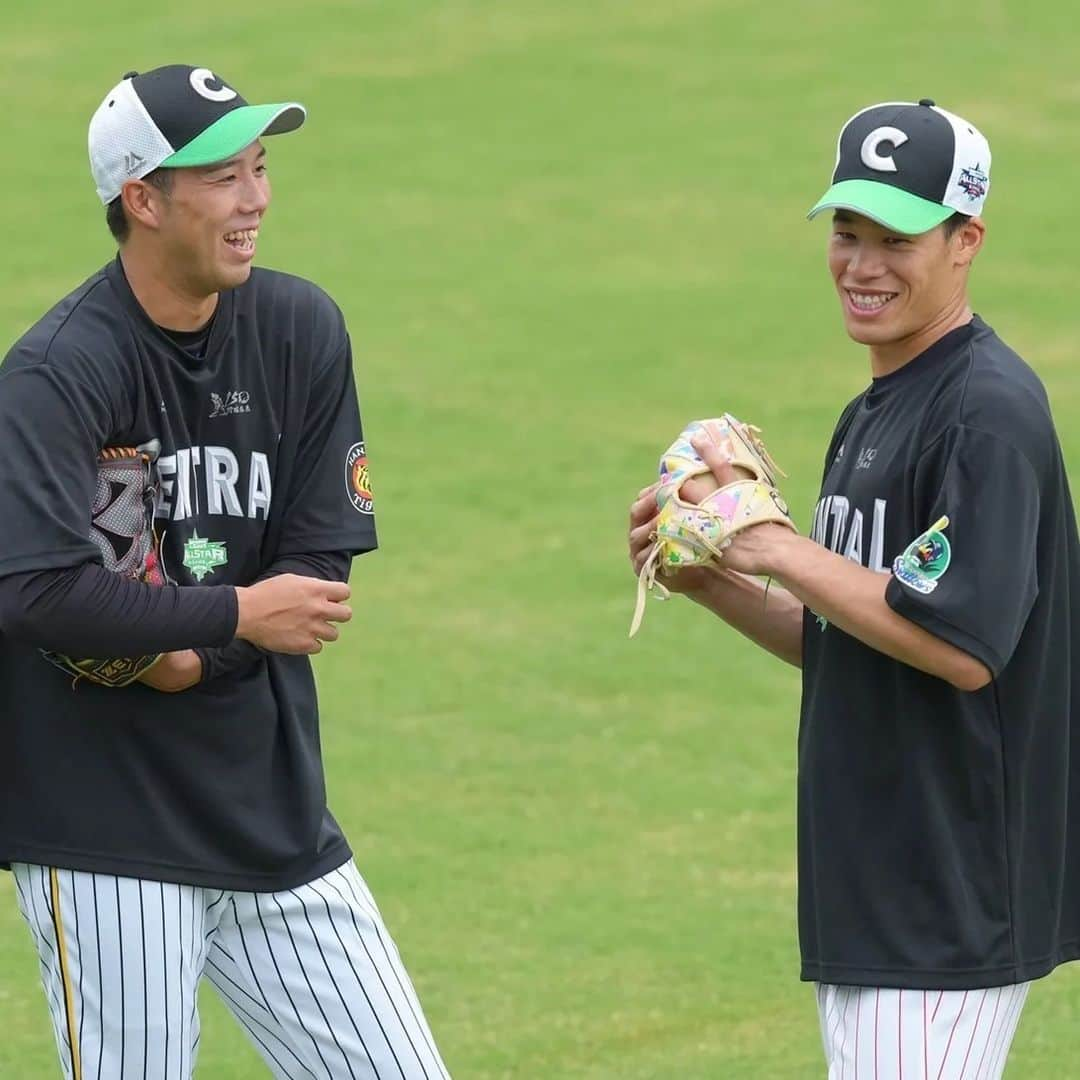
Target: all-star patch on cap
<point x="172" y="117"/>
<point x="908" y="167"/>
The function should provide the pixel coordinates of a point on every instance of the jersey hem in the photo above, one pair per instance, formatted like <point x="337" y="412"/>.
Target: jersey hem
<point x="358" y="543"/>
<point x="935" y="979"/>
<point x="297" y="873"/>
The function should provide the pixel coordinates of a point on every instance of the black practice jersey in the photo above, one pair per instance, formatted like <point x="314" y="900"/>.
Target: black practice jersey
<point x="261" y="459"/>
<point x="939" y="836"/>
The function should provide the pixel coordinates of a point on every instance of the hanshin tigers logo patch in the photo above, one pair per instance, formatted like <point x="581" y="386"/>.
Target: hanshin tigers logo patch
<point x="357" y="481"/>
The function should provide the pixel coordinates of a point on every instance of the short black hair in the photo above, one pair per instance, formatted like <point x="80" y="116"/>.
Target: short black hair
<point x="957" y="221"/>
<point x="115" y="217"/>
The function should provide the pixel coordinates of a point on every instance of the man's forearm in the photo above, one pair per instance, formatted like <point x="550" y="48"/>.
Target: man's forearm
<point x="88" y="611"/>
<point x="773" y="621"/>
<point x="852" y="598"/>
<point x="240" y="655"/>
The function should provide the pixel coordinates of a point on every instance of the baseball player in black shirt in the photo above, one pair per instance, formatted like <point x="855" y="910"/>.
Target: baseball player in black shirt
<point x="932" y="611"/>
<point x="178" y="826"/>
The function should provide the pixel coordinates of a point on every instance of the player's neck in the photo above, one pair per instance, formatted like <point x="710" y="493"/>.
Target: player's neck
<point x="164" y="299"/>
<point x="893" y="355"/>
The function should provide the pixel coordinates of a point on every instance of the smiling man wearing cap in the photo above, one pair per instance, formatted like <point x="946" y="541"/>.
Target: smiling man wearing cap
<point x="178" y="826"/>
<point x="933" y="612"/>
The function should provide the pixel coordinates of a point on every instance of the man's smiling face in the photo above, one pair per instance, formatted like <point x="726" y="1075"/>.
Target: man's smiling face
<point x="892" y="285"/>
<point x="210" y="220"/>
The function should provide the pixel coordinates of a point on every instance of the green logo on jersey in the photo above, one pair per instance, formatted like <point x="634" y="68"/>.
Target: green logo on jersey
<point x="201" y="556"/>
<point x="925" y="559"/>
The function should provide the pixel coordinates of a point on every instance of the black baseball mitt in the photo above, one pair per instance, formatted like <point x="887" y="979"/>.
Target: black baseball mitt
<point x="122" y="526"/>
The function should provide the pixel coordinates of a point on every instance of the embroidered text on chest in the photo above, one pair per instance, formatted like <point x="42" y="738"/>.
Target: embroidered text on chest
<point x="231" y="403"/>
<point x="213" y="480"/>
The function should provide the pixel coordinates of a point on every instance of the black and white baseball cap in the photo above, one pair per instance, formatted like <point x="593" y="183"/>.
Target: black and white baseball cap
<point x="173" y="117"/>
<point x="908" y="167"/>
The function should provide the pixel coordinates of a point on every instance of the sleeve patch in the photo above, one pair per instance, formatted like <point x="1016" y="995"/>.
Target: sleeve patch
<point x="357" y="480"/>
<point x="925" y="559"/>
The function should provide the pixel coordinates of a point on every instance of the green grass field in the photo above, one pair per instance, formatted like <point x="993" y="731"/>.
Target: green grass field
<point x="558" y="231"/>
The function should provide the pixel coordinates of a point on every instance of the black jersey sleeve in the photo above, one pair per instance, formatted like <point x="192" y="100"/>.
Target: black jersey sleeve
<point x="970" y="578"/>
<point x="53" y="425"/>
<point x="328" y="505"/>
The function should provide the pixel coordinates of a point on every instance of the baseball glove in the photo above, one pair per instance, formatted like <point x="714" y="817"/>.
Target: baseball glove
<point x="122" y="526"/>
<point x="691" y="534"/>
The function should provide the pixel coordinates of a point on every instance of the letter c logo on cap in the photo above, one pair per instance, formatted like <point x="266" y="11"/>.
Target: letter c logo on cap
<point x="869" y="153"/>
<point x="200" y="83"/>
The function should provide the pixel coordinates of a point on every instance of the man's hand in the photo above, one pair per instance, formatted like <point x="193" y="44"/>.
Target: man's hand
<point x="643" y="514"/>
<point x="754" y="550"/>
<point x="290" y="613"/>
<point x="175" y="671"/>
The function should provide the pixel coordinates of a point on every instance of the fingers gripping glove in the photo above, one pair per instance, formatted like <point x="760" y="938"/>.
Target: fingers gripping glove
<point x="122" y="526"/>
<point x="692" y="534"/>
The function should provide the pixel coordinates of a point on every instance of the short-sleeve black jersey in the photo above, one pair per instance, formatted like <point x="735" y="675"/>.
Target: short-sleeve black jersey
<point x="939" y="831"/>
<point x="261" y="457"/>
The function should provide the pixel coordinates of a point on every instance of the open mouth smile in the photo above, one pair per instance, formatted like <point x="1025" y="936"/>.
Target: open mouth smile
<point x="242" y="240"/>
<point x="868" y="303"/>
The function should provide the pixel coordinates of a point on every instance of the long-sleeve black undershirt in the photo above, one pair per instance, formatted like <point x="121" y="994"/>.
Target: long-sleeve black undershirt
<point x="88" y="611"/>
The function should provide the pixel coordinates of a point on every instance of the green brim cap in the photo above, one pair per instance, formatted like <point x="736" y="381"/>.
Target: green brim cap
<point x="889" y="206"/>
<point x="235" y="131"/>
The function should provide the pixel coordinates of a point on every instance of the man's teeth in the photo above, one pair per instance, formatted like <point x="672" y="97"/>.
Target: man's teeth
<point x="244" y="238"/>
<point x="866" y="302"/>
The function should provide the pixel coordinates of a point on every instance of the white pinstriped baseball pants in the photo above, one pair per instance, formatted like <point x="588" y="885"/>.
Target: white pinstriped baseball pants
<point x="310" y="973"/>
<point x="918" y="1034"/>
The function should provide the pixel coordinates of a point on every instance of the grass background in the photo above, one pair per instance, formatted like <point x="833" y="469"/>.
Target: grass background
<point x="558" y="231"/>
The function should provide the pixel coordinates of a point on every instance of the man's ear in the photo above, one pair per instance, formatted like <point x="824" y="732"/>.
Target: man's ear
<point x="143" y="203"/>
<point x="967" y="241"/>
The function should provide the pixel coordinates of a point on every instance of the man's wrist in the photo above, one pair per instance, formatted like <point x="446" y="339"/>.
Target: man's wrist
<point x="710" y="580"/>
<point x="190" y="666"/>
<point x="782" y="558"/>
<point x="244" y="614"/>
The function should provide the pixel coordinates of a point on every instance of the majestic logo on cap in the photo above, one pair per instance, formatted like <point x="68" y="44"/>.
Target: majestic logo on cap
<point x="872" y="157"/>
<point x="972" y="182"/>
<point x="201" y="78"/>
